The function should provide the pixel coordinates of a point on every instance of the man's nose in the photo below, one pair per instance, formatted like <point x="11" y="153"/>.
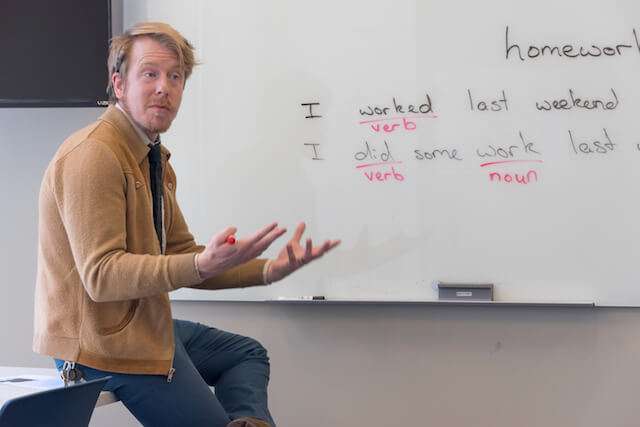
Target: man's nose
<point x="162" y="85"/>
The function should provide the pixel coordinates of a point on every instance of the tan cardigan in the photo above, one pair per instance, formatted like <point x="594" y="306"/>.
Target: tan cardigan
<point x="101" y="292"/>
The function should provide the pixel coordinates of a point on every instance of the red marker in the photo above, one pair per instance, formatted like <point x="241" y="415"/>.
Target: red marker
<point x="231" y="240"/>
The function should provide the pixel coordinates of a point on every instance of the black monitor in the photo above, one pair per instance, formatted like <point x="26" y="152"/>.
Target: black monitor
<point x="54" y="52"/>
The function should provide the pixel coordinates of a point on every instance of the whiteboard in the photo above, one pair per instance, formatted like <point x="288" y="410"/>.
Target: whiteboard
<point x="477" y="182"/>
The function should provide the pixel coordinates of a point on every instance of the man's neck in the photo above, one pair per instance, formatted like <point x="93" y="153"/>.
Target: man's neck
<point x="146" y="136"/>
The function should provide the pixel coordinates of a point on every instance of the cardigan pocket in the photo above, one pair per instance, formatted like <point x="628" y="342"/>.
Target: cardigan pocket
<point x="110" y="330"/>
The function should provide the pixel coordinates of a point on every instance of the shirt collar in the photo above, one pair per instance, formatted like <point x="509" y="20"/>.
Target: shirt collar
<point x="117" y="118"/>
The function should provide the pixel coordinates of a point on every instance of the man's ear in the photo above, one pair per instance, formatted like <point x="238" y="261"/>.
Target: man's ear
<point x="117" y="82"/>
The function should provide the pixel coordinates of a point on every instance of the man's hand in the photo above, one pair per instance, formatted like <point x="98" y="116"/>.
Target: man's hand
<point x="293" y="255"/>
<point x="219" y="255"/>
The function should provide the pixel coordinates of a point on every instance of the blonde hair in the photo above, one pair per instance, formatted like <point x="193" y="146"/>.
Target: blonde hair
<point x="165" y="34"/>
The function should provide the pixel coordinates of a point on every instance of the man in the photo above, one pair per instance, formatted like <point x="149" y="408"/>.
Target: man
<point x="113" y="242"/>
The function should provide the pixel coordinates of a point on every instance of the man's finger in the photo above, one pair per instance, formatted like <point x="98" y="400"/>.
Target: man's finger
<point x="292" y="257"/>
<point x="220" y="238"/>
<point x="326" y="247"/>
<point x="261" y="233"/>
<point x="267" y="240"/>
<point x="308" y="253"/>
<point x="333" y="244"/>
<point x="297" y="235"/>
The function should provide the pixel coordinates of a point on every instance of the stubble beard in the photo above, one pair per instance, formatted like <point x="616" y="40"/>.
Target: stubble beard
<point x="148" y="128"/>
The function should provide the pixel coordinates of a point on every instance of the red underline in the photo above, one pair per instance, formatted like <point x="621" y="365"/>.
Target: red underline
<point x="509" y="161"/>
<point x="433" y="116"/>
<point x="377" y="164"/>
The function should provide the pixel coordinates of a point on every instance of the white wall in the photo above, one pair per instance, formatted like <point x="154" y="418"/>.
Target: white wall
<point x="28" y="139"/>
<point x="442" y="366"/>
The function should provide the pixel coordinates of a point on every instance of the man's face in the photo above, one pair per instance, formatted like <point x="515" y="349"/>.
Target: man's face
<point x="151" y="92"/>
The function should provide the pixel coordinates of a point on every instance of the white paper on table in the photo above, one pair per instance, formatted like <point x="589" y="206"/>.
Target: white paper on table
<point x="42" y="382"/>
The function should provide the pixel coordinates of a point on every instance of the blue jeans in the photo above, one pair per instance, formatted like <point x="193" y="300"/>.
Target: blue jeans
<point x="237" y="366"/>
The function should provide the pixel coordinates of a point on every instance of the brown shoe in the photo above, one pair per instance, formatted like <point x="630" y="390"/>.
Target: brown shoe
<point x="248" y="422"/>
